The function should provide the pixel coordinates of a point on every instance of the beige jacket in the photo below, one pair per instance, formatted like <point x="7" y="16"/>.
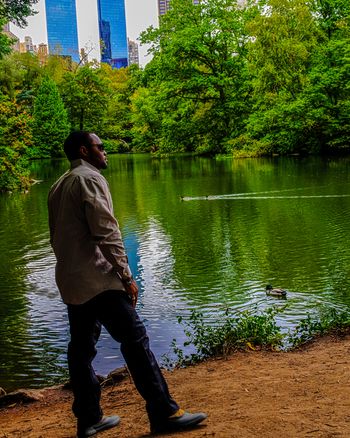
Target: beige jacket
<point x="85" y="235"/>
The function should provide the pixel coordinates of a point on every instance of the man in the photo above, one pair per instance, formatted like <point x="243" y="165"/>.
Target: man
<point x="95" y="281"/>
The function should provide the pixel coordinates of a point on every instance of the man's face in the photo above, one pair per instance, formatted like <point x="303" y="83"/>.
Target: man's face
<point x="96" y="155"/>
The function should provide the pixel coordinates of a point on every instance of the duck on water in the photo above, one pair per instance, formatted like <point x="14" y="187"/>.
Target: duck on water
<point x="275" y="292"/>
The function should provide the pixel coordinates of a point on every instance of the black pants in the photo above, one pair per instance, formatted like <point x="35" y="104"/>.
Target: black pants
<point x="114" y="311"/>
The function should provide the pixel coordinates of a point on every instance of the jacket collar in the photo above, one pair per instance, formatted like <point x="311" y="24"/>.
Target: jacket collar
<point x="81" y="162"/>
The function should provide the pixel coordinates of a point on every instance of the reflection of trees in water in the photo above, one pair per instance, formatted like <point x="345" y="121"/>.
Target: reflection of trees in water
<point x="26" y="359"/>
<point x="223" y="245"/>
<point x="189" y="254"/>
<point x="48" y="170"/>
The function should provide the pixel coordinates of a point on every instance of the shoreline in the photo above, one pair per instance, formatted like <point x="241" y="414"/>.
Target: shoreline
<point x="304" y="392"/>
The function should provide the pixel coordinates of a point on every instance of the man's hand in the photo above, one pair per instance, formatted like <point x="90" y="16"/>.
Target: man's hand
<point x="132" y="290"/>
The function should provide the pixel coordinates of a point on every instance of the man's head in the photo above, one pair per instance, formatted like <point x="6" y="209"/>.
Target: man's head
<point x="87" y="146"/>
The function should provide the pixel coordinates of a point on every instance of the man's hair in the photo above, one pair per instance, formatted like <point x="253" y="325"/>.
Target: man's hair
<point x="73" y="143"/>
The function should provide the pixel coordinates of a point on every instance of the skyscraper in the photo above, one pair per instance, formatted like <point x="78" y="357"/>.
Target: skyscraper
<point x="133" y="50"/>
<point x="62" y="33"/>
<point x="15" y="40"/>
<point x="164" y="6"/>
<point x="112" y="27"/>
<point x="29" y="46"/>
<point x="42" y="53"/>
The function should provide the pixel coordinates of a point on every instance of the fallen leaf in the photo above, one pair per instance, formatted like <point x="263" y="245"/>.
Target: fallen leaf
<point x="249" y="345"/>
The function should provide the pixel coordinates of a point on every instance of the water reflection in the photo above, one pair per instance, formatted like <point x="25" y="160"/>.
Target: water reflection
<point x="240" y="225"/>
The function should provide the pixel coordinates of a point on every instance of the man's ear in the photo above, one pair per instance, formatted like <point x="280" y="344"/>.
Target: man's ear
<point x="84" y="151"/>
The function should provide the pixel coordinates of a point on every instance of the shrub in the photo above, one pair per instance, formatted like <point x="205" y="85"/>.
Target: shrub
<point x="253" y="330"/>
<point x="15" y="137"/>
<point x="113" y="146"/>
<point x="325" y="321"/>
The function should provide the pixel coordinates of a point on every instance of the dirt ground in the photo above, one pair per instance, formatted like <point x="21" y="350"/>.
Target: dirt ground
<point x="305" y="393"/>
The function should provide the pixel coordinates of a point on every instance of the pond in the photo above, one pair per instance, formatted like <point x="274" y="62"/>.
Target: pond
<point x="200" y="233"/>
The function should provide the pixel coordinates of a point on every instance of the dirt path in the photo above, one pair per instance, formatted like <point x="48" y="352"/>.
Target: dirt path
<point x="255" y="394"/>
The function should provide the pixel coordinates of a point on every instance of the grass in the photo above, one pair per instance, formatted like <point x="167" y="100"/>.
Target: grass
<point x="248" y="330"/>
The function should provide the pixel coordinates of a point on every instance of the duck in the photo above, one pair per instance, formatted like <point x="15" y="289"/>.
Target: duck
<point x="275" y="292"/>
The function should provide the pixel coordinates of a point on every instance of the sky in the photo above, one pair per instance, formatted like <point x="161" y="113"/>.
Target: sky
<point x="139" y="15"/>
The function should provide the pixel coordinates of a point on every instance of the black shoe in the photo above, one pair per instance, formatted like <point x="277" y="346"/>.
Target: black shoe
<point x="105" y="423"/>
<point x="178" y="422"/>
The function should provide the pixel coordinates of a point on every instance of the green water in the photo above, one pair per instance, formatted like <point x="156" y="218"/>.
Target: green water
<point x="240" y="225"/>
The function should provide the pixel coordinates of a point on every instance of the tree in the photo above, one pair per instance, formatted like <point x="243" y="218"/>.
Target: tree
<point x="284" y="35"/>
<point x="331" y="15"/>
<point x="85" y="94"/>
<point x="56" y="67"/>
<point x="200" y="57"/>
<point x="15" y="137"/>
<point x="146" y="120"/>
<point x="17" y="11"/>
<point x="50" y="126"/>
<point x="116" y="123"/>
<point x="5" y="41"/>
<point x="28" y="64"/>
<point x="299" y="63"/>
<point x="10" y="76"/>
<point x="328" y="90"/>
<point x="13" y="167"/>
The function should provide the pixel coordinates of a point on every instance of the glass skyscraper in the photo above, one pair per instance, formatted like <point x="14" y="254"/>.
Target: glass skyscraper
<point x="62" y="32"/>
<point x="112" y="27"/>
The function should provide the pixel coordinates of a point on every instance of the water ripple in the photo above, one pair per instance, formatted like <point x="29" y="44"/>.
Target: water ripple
<point x="291" y="230"/>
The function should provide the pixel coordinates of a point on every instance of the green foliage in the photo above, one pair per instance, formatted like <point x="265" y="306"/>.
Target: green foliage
<point x="5" y="41"/>
<point x="328" y="95"/>
<point x="253" y="330"/>
<point x="30" y="69"/>
<point x="245" y="146"/>
<point x="284" y="37"/>
<point x="115" y="146"/>
<point x="15" y="136"/>
<point x="327" y="320"/>
<point x="13" y="10"/>
<point x="299" y="59"/>
<point x="198" y="74"/>
<point x="14" y="173"/>
<point x="246" y="78"/>
<point x="20" y="74"/>
<point x="17" y="10"/>
<point x="116" y="119"/>
<point x="146" y="120"/>
<point x="248" y="329"/>
<point x="9" y="77"/>
<point x="85" y="94"/>
<point x="56" y="67"/>
<point x="267" y="77"/>
<point x="50" y="126"/>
